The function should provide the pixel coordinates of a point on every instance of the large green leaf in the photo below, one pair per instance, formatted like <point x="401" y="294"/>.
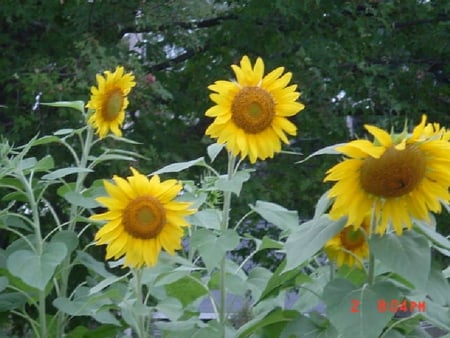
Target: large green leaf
<point x="355" y="311"/>
<point x="60" y="173"/>
<point x="214" y="150"/>
<point x="313" y="326"/>
<point x="186" y="289"/>
<point x="177" y="167"/>
<point x="207" y="218"/>
<point x="234" y="184"/>
<point x="68" y="237"/>
<point x="309" y="239"/>
<point x="77" y="105"/>
<point x="276" y="214"/>
<point x="433" y="235"/>
<point x="264" y="319"/>
<point x="212" y="248"/>
<point x="408" y="255"/>
<point x="11" y="300"/>
<point x="36" y="270"/>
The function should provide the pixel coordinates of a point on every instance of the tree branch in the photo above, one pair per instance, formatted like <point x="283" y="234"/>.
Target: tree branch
<point x="180" y="58"/>
<point x="406" y="24"/>
<point x="185" y="25"/>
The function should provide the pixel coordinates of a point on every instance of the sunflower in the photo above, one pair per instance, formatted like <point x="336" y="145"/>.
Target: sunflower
<point x="142" y="218"/>
<point x="109" y="101"/>
<point x="350" y="247"/>
<point x="251" y="113"/>
<point x="400" y="177"/>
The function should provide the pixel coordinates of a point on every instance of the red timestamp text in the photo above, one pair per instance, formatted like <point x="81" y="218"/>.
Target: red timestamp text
<point x="392" y="305"/>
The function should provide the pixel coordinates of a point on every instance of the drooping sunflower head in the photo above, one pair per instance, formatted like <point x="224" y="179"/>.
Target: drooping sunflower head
<point x="109" y="101"/>
<point x="250" y="115"/>
<point x="350" y="246"/>
<point x="142" y="218"/>
<point x="401" y="177"/>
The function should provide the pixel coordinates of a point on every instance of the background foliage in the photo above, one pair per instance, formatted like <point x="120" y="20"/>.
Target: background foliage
<point x="378" y="61"/>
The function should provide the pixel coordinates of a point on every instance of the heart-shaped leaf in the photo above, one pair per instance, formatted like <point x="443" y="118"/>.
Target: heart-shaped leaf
<point x="36" y="270"/>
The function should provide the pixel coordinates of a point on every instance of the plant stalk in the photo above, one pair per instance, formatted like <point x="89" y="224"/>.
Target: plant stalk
<point x="65" y="266"/>
<point x="371" y="269"/>
<point x="223" y="228"/>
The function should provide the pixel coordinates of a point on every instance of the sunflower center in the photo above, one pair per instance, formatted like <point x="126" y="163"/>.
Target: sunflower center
<point x="395" y="173"/>
<point x="253" y="109"/>
<point x="351" y="238"/>
<point x="144" y="217"/>
<point x="113" y="105"/>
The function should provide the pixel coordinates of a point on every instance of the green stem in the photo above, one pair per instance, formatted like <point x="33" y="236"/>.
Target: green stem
<point x="223" y="228"/>
<point x="39" y="249"/>
<point x="141" y="329"/>
<point x="65" y="266"/>
<point x="371" y="269"/>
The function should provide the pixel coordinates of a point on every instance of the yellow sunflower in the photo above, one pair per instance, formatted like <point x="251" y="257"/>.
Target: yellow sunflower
<point x="109" y="101"/>
<point x="142" y="218"/>
<point x="400" y="177"/>
<point x="250" y="115"/>
<point x="350" y="247"/>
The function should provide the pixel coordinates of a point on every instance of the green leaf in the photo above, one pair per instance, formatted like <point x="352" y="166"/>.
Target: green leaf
<point x="171" y="307"/>
<point x="11" y="300"/>
<point x="437" y="314"/>
<point x="37" y="270"/>
<point x="69" y="238"/>
<point x="207" y="218"/>
<point x="234" y="184"/>
<point x="408" y="255"/>
<point x="322" y="205"/>
<point x="92" y="264"/>
<point x="45" y="163"/>
<point x="330" y="150"/>
<point x="186" y="289"/>
<point x="438" y="288"/>
<point x="265" y="319"/>
<point x="79" y="200"/>
<point x="311" y="327"/>
<point x="3" y="283"/>
<point x="212" y="248"/>
<point x="309" y="239"/>
<point x="214" y="150"/>
<point x="82" y="306"/>
<point x="45" y="140"/>
<point x="60" y="173"/>
<point x="77" y="105"/>
<point x="64" y="131"/>
<point x="14" y="221"/>
<point x="355" y="312"/>
<point x="257" y="280"/>
<point x="273" y="213"/>
<point x="282" y="279"/>
<point x="102" y="331"/>
<point x="105" y="283"/>
<point x="177" y="167"/>
<point x="27" y="163"/>
<point x="432" y="235"/>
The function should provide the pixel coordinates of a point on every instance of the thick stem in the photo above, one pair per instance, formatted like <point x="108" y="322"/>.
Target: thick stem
<point x="223" y="228"/>
<point x="371" y="270"/>
<point x="39" y="250"/>
<point x="141" y="329"/>
<point x="65" y="266"/>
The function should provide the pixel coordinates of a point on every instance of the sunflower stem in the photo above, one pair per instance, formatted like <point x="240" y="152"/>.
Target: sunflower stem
<point x="39" y="247"/>
<point x="141" y="329"/>
<point x="371" y="269"/>
<point x="65" y="266"/>
<point x="224" y="227"/>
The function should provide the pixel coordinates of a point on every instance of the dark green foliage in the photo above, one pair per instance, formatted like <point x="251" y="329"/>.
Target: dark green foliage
<point x="390" y="58"/>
